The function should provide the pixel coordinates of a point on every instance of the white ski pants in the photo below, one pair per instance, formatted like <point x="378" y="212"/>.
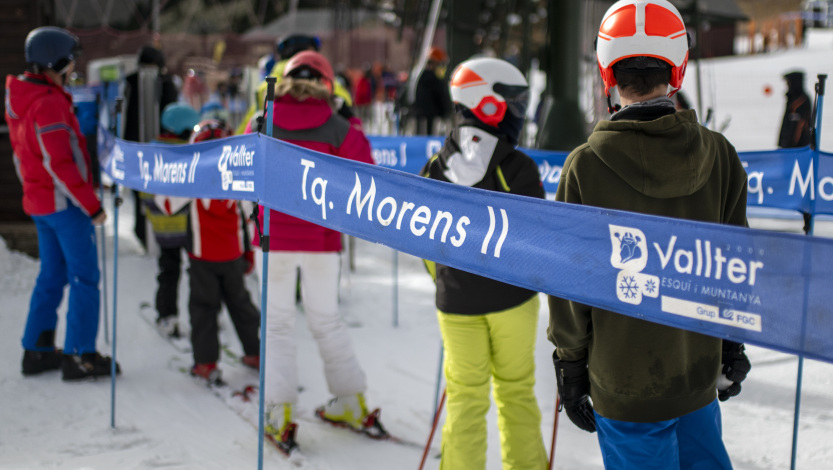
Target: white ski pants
<point x="319" y="294"/>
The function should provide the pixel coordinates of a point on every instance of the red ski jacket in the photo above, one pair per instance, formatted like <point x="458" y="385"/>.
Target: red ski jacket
<point x="50" y="153"/>
<point x="216" y="230"/>
<point x="312" y="124"/>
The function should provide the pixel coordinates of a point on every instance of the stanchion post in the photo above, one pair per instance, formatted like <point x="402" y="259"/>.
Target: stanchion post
<point x="439" y="377"/>
<point x="264" y="247"/>
<point x="116" y="203"/>
<point x="104" y="311"/>
<point x="395" y="299"/>
<point x="808" y="229"/>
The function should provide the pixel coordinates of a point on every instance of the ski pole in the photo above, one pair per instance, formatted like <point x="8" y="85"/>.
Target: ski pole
<point x="554" y="430"/>
<point x="433" y="429"/>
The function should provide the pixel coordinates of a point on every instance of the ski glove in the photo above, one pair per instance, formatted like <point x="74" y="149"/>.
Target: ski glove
<point x="573" y="381"/>
<point x="735" y="367"/>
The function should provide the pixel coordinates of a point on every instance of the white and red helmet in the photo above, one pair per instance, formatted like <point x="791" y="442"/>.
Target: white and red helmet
<point x="494" y="90"/>
<point x="650" y="28"/>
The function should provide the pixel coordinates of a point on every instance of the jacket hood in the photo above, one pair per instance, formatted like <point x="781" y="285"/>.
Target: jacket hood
<point x="664" y="158"/>
<point x="471" y="152"/>
<point x="23" y="91"/>
<point x="294" y="114"/>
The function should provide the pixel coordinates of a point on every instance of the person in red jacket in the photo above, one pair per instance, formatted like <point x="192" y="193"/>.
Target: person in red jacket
<point x="217" y="274"/>
<point x="303" y="115"/>
<point x="50" y="154"/>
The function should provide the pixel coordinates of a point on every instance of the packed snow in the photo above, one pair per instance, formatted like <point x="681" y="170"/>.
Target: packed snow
<point x="166" y="419"/>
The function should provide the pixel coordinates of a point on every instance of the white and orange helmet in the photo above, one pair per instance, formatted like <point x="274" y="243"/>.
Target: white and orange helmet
<point x="649" y="28"/>
<point x="495" y="92"/>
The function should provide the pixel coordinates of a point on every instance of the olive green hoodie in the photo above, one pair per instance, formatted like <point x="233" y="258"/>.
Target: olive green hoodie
<point x="670" y="166"/>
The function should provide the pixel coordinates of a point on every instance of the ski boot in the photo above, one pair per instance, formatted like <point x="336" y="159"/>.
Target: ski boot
<point x="48" y="358"/>
<point x="86" y="366"/>
<point x="208" y="372"/>
<point x="351" y="412"/>
<point x="280" y="430"/>
<point x="35" y="362"/>
<point x="168" y="327"/>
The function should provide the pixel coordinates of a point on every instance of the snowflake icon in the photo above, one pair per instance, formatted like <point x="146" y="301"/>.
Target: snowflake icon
<point x="650" y="286"/>
<point x="629" y="287"/>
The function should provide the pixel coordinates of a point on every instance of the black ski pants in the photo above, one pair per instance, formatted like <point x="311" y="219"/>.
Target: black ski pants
<point x="212" y="284"/>
<point x="167" y="282"/>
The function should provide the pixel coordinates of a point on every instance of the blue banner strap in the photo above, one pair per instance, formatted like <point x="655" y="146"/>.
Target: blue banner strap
<point x="763" y="288"/>
<point x="783" y="179"/>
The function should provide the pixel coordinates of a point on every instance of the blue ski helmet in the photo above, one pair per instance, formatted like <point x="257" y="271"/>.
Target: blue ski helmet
<point x="50" y="47"/>
<point x="295" y="43"/>
<point x="178" y="118"/>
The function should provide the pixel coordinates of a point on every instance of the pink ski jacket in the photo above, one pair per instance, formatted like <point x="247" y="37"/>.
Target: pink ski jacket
<point x="312" y="124"/>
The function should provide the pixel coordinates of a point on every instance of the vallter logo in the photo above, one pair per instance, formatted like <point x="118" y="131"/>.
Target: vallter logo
<point x="629" y="254"/>
<point x="232" y="159"/>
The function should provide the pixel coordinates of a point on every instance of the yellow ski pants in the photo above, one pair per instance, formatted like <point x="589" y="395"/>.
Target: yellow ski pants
<point x="483" y="349"/>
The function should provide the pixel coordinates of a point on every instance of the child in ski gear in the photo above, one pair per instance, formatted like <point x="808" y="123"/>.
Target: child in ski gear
<point x="217" y="272"/>
<point x="654" y="388"/>
<point x="170" y="223"/>
<point x="488" y="327"/>
<point x="304" y="115"/>
<point x="286" y="49"/>
<point x="55" y="169"/>
<point x="796" y="126"/>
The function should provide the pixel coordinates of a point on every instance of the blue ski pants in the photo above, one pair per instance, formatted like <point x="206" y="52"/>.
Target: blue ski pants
<point x="68" y="255"/>
<point x="690" y="442"/>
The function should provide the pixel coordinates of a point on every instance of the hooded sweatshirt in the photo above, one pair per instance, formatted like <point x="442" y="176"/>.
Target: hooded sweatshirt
<point x="668" y="166"/>
<point x="50" y="152"/>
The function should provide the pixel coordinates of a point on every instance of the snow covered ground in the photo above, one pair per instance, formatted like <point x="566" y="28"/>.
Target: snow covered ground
<point x="164" y="419"/>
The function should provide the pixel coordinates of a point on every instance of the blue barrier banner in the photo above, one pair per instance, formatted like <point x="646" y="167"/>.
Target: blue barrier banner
<point x="780" y="178"/>
<point x="753" y="286"/>
<point x="408" y="154"/>
<point x="823" y="185"/>
<point x="411" y="153"/>
<point x="790" y="179"/>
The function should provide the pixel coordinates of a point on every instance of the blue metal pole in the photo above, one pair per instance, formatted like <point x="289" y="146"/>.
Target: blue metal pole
<point x="439" y="377"/>
<point x="810" y="223"/>
<point x="264" y="246"/>
<point x="395" y="288"/>
<point x="116" y="204"/>
<point x="105" y="311"/>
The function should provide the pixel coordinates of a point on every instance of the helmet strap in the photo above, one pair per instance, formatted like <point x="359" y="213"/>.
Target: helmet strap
<point x="612" y="108"/>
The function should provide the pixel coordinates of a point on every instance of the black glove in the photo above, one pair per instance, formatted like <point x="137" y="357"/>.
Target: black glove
<point x="574" y="388"/>
<point x="345" y="111"/>
<point x="735" y="367"/>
